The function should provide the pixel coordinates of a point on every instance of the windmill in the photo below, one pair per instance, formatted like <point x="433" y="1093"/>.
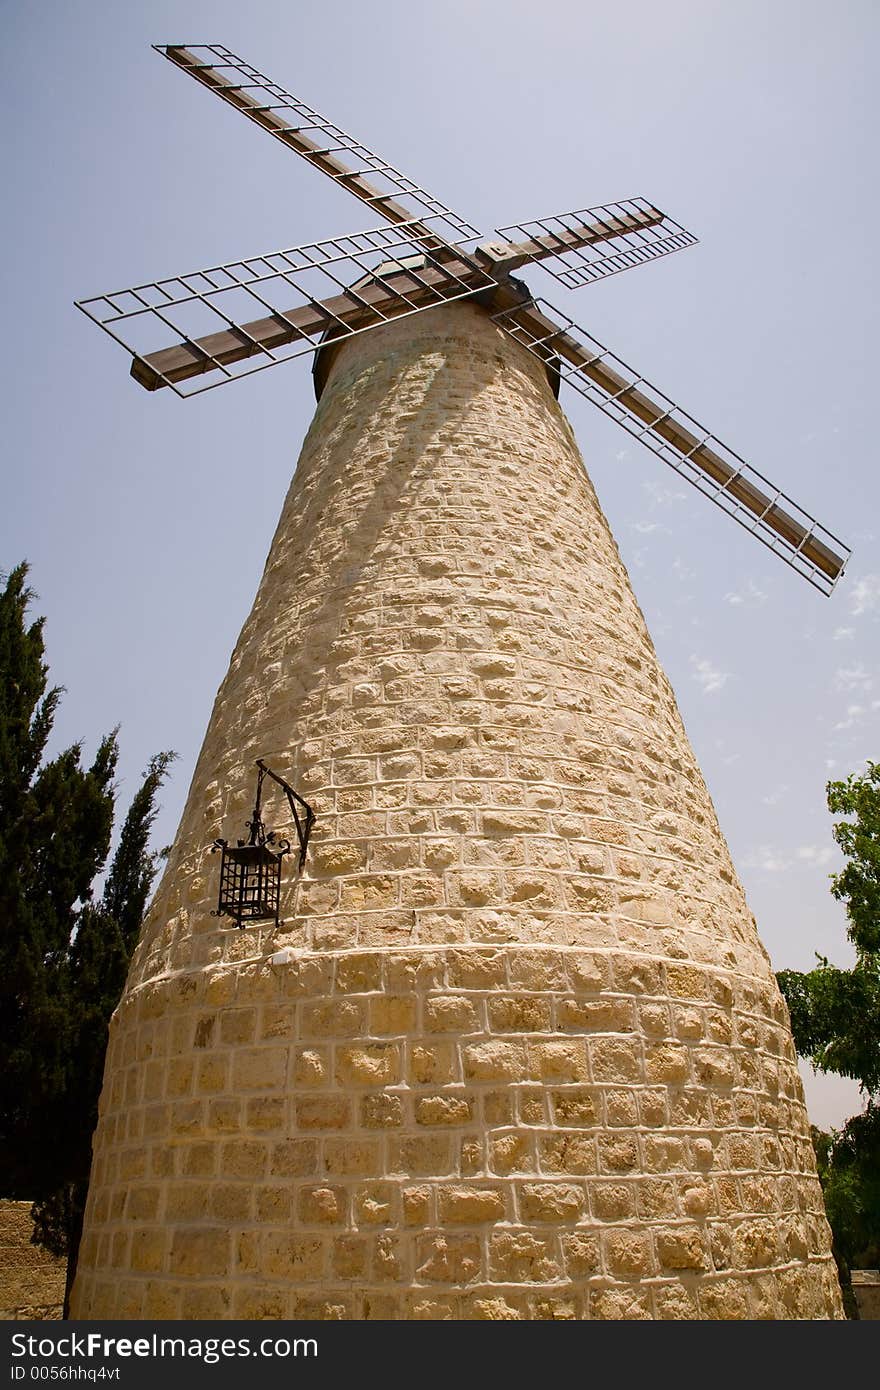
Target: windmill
<point x="517" y="1052"/>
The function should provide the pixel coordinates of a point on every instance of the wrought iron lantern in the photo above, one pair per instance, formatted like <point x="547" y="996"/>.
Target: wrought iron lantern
<point x="250" y="870"/>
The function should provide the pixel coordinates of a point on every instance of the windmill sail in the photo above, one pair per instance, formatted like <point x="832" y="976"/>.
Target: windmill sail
<point x="676" y="437"/>
<point x="235" y="319"/>
<point x="577" y="248"/>
<point x="321" y="142"/>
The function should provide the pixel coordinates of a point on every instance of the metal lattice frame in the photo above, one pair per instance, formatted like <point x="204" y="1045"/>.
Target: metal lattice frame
<point x="680" y="440"/>
<point x="636" y="240"/>
<point x="250" y="884"/>
<point x="322" y="143"/>
<point x="214" y="311"/>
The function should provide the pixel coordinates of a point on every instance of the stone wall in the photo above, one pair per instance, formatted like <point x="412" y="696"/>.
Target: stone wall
<point x="528" y="1058"/>
<point x="866" y="1291"/>
<point x="31" y="1280"/>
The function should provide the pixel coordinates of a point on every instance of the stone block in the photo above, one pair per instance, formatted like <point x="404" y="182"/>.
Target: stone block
<point x="392" y="1015"/>
<point x="200" y="1251"/>
<point x="471" y="1206"/>
<point x="628" y="1254"/>
<point x="334" y="1018"/>
<point x="375" y="1064"/>
<point x="238" y="1026"/>
<point x="558" y="1061"/>
<point x="681" y="1247"/>
<point x="259" y="1069"/>
<point x="569" y="1152"/>
<point x="330" y="1111"/>
<point x="580" y="1251"/>
<point x="148" y="1249"/>
<point x="359" y="973"/>
<point x="375" y="1203"/>
<point x="614" y="1060"/>
<point x="494" y="1061"/>
<point x="296" y="1258"/>
<point x="351" y="1157"/>
<point x="519" y="1257"/>
<point x="524" y="1013"/>
<point x="668" y="1063"/>
<point x="381" y="1111"/>
<point x="321" y="1206"/>
<point x="574" y="1106"/>
<point x="426" y="1154"/>
<point x="447" y="1259"/>
<point x="447" y="1109"/>
<point x="511" y="1153"/>
<point x="547" y="1201"/>
<point x="293" y="1158"/>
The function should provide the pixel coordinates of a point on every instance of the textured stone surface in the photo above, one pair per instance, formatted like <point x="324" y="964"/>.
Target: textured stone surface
<point x="866" y="1291"/>
<point x="528" y="1059"/>
<point x="31" y="1280"/>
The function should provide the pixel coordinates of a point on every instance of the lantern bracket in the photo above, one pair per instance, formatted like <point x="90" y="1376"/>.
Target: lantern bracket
<point x="250" y="873"/>
<point x="303" y="820"/>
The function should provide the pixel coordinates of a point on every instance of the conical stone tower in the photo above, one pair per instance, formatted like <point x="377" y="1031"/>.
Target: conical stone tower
<point x="527" y="1058"/>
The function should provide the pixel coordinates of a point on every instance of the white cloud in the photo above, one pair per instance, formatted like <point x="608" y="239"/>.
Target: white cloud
<point x="773" y="798"/>
<point x="660" y="495"/>
<point x="751" y="596"/>
<point x="843" y="634"/>
<point x="709" y="679"/>
<point x="865" y="595"/>
<point x="817" y="856"/>
<point x="644" y="528"/>
<point x="727" y="759"/>
<point x="853" y="715"/>
<point x="853" y="678"/>
<point x="767" y="860"/>
<point x="621" y="455"/>
<point x="681" y="571"/>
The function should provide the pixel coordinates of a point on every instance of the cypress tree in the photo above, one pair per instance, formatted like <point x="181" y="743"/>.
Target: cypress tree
<point x="63" y="956"/>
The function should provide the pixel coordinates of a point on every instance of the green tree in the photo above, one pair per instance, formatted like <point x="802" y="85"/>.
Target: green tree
<point x="95" y="968"/>
<point x="63" y="956"/>
<point x="835" y="1018"/>
<point x="55" y="826"/>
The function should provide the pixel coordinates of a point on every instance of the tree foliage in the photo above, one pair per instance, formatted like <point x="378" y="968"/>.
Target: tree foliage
<point x="858" y="884"/>
<point x="849" y="1170"/>
<point x="63" y="956"/>
<point x="835" y="1018"/>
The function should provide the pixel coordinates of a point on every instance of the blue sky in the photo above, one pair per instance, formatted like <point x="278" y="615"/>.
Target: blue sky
<point x="146" y="519"/>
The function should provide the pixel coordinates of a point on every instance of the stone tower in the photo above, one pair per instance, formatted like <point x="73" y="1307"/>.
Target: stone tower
<point x="527" y="1057"/>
